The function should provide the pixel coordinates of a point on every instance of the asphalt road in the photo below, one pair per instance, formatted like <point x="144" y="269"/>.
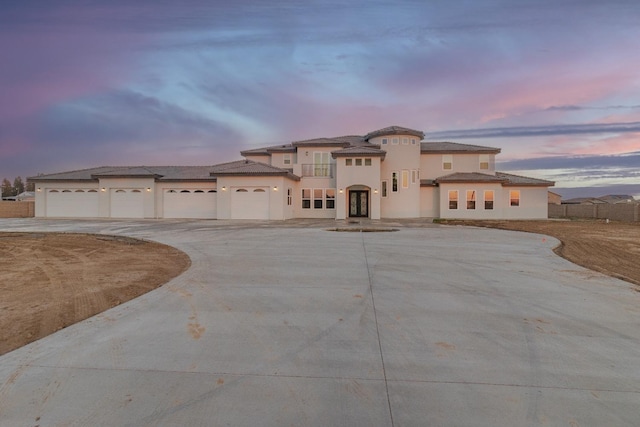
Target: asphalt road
<point x="290" y="324"/>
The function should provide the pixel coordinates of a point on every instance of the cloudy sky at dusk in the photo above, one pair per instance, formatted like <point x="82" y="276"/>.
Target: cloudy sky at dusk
<point x="554" y="83"/>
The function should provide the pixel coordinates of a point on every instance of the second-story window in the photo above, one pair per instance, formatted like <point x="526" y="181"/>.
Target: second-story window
<point x="287" y="159"/>
<point x="320" y="164"/>
<point x="394" y="182"/>
<point x="484" y="162"/>
<point x="447" y="162"/>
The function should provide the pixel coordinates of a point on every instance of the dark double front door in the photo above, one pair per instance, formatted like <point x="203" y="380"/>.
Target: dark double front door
<point x="358" y="203"/>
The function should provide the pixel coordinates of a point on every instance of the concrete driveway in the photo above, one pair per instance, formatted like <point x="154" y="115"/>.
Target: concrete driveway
<point x="288" y="324"/>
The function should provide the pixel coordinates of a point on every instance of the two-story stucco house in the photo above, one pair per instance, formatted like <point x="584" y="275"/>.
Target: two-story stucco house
<point x="388" y="173"/>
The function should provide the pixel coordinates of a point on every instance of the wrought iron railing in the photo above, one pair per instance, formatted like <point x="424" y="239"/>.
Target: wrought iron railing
<point x="326" y="170"/>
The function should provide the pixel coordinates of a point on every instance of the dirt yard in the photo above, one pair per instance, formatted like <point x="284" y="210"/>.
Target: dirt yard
<point x="49" y="281"/>
<point x="610" y="248"/>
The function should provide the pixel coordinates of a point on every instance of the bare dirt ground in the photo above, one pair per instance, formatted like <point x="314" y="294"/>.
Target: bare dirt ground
<point x="49" y="281"/>
<point x="609" y="248"/>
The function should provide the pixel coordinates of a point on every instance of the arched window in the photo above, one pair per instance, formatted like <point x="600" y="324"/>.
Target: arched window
<point x="53" y="191"/>
<point x="172" y="191"/>
<point x="79" y="191"/>
<point x="258" y="190"/>
<point x="241" y="190"/>
<point x="212" y="191"/>
<point x="185" y="191"/>
<point x="66" y="191"/>
<point x="135" y="191"/>
<point x="92" y="191"/>
<point x="120" y="191"/>
<point x="198" y="191"/>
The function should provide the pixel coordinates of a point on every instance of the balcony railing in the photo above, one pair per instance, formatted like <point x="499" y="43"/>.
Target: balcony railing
<point x="325" y="170"/>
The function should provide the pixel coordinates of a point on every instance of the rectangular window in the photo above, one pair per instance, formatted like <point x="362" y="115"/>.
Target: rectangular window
<point x="488" y="199"/>
<point x="484" y="162"/>
<point x="367" y="162"/>
<point x="358" y="162"/>
<point x="349" y="162"/>
<point x="453" y="199"/>
<point x="289" y="196"/>
<point x="384" y="188"/>
<point x="413" y="141"/>
<point x="330" y="198"/>
<point x="306" y="198"/>
<point x="471" y="199"/>
<point x="384" y="141"/>
<point x="405" y="179"/>
<point x="394" y="181"/>
<point x="514" y="197"/>
<point x="320" y="164"/>
<point x="447" y="162"/>
<point x="317" y="198"/>
<point x="394" y="141"/>
<point x="405" y="141"/>
<point x="287" y="159"/>
<point x="414" y="176"/>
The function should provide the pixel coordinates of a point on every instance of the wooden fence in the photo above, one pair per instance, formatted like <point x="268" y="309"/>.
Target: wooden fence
<point x="17" y="209"/>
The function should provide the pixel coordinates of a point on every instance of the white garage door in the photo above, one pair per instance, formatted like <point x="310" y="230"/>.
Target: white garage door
<point x="250" y="203"/>
<point x="126" y="203"/>
<point x="181" y="203"/>
<point x="76" y="203"/>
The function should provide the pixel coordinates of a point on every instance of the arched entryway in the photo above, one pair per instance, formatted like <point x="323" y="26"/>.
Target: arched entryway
<point x="358" y="201"/>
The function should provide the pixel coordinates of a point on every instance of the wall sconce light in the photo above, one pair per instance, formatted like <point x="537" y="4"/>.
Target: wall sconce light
<point x="375" y="191"/>
<point x="103" y="189"/>
<point x="340" y="191"/>
<point x="39" y="189"/>
<point x="275" y="188"/>
<point x="148" y="188"/>
<point x="224" y="188"/>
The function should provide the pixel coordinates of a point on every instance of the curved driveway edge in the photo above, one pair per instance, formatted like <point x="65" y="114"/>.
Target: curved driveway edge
<point x="290" y="324"/>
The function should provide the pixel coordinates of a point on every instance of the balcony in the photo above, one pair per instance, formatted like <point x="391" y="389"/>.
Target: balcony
<point x="321" y="170"/>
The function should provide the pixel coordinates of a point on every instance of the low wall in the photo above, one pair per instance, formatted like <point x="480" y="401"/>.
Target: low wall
<point x="627" y="212"/>
<point x="17" y="209"/>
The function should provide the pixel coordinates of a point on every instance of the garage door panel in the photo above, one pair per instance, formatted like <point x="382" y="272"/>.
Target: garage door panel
<point x="76" y="203"/>
<point x="190" y="204"/>
<point x="127" y="203"/>
<point x="250" y="203"/>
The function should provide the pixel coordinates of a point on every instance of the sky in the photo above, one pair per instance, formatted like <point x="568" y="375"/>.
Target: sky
<point x="554" y="83"/>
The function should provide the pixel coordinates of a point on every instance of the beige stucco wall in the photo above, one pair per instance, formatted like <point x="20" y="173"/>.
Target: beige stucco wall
<point x="42" y="191"/>
<point x="479" y="212"/>
<point x="360" y="178"/>
<point x="405" y="203"/>
<point x="431" y="165"/>
<point x="429" y="202"/>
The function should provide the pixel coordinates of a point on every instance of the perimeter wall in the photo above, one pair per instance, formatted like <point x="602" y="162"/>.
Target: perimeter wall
<point x="627" y="212"/>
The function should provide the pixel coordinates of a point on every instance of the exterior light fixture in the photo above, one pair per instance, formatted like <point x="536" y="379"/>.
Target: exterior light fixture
<point x="103" y="189"/>
<point x="275" y="188"/>
<point x="39" y="189"/>
<point x="375" y="191"/>
<point x="340" y="191"/>
<point x="224" y="188"/>
<point x="148" y="188"/>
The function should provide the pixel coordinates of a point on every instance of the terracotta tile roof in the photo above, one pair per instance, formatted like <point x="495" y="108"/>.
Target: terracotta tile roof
<point x="446" y="147"/>
<point x="359" y="151"/>
<point x="265" y="151"/>
<point x="517" y="180"/>
<point x="316" y="142"/>
<point x="249" y="168"/>
<point x="394" y="130"/>
<point x="470" y="177"/>
<point x="160" y="173"/>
